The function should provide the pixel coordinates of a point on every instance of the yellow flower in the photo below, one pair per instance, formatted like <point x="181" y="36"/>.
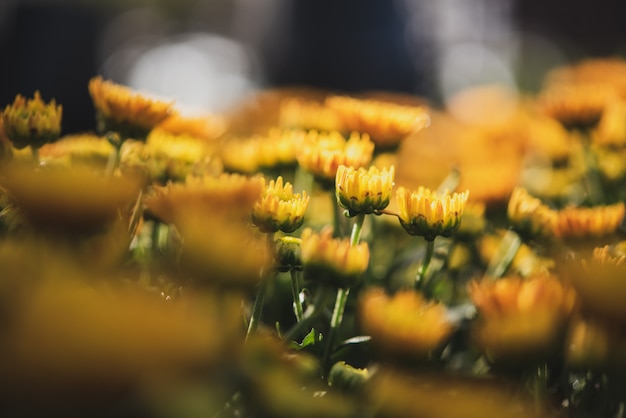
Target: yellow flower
<point x="529" y="214"/>
<point x="207" y="127"/>
<point x="363" y="191"/>
<point x="76" y="199"/>
<point x="231" y="194"/>
<point x="576" y="106"/>
<point x="77" y="148"/>
<point x="121" y="110"/>
<point x="404" y="324"/>
<point x="219" y="250"/>
<point x="333" y="260"/>
<point x="596" y="221"/>
<point x="521" y="319"/>
<point x="429" y="214"/>
<point x="322" y="154"/>
<point x="32" y="122"/>
<point x="386" y="123"/>
<point x="305" y="114"/>
<point x="279" y="209"/>
<point x="288" y="253"/>
<point x="611" y="130"/>
<point x="600" y="283"/>
<point x="596" y="345"/>
<point x="166" y="156"/>
<point x="239" y="155"/>
<point x="278" y="147"/>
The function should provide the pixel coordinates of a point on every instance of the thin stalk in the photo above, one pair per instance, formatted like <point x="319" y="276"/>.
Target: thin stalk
<point x="421" y="275"/>
<point x="114" y="161"/>
<point x="342" y="295"/>
<point x="509" y="245"/>
<point x="337" y="218"/>
<point x="35" y="152"/>
<point x="295" y="291"/>
<point x="335" y="323"/>
<point x="592" y="181"/>
<point x="257" y="309"/>
<point x="540" y="383"/>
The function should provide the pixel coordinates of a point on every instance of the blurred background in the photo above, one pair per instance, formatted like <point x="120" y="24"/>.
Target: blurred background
<point x="210" y="54"/>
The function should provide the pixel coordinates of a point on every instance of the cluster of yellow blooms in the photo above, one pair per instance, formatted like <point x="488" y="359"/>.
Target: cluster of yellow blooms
<point x="499" y="255"/>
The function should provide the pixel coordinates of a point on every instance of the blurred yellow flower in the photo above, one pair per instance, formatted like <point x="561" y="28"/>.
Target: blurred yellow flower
<point x="32" y="122"/>
<point x="77" y="148"/>
<point x="596" y="345"/>
<point x="579" y="222"/>
<point x="121" y="110"/>
<point x="278" y="147"/>
<point x="576" y="106"/>
<point x="611" y="130"/>
<point x="279" y="208"/>
<point x="529" y="214"/>
<point x="323" y="153"/>
<point x="297" y="113"/>
<point x="71" y="199"/>
<point x="207" y="127"/>
<point x="428" y="214"/>
<point x="404" y="324"/>
<point x="521" y="319"/>
<point x="227" y="194"/>
<point x="600" y="283"/>
<point x="386" y="123"/>
<point x="363" y="191"/>
<point x="474" y="220"/>
<point x="333" y="260"/>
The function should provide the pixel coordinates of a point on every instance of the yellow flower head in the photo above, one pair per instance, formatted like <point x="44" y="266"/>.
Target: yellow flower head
<point x="528" y="213"/>
<point x="207" y="127"/>
<point x="119" y="109"/>
<point x="387" y="123"/>
<point x="611" y="130"/>
<point x="166" y="156"/>
<point x="322" y="154"/>
<point x="279" y="208"/>
<point x="231" y="194"/>
<point x="588" y="222"/>
<point x="521" y="318"/>
<point x="304" y="114"/>
<point x="363" y="191"/>
<point x="32" y="122"/>
<point x="278" y="147"/>
<point x="576" y="106"/>
<point x="404" y="324"/>
<point x="429" y="214"/>
<point x="87" y="148"/>
<point x="333" y="260"/>
<point x="76" y="199"/>
<point x="600" y="282"/>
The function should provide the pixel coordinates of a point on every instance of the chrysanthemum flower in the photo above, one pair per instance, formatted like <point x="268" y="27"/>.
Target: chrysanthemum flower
<point x="231" y="194"/>
<point x="239" y="155"/>
<point x="363" y="191"/>
<point x="404" y="324"/>
<point x="119" y="109"/>
<point x="166" y="156"/>
<point x="595" y="345"/>
<point x="333" y="260"/>
<point x="600" y="282"/>
<point x="87" y="148"/>
<point x="529" y="213"/>
<point x="576" y="106"/>
<point x="306" y="114"/>
<point x="386" y="123"/>
<point x="322" y="154"/>
<point x="279" y="209"/>
<point x="206" y="127"/>
<point x="428" y="214"/>
<point x="32" y="122"/>
<point x="521" y="319"/>
<point x="76" y="199"/>
<point x="582" y="222"/>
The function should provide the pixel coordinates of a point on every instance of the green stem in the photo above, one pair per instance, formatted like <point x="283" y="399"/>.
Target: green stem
<point x="421" y="276"/>
<point x="540" y="383"/>
<point x="257" y="309"/>
<point x="114" y="161"/>
<point x="335" y="322"/>
<point x="337" y="229"/>
<point x="592" y="181"/>
<point x="509" y="245"/>
<point x="35" y="151"/>
<point x="295" y="291"/>
<point x="356" y="230"/>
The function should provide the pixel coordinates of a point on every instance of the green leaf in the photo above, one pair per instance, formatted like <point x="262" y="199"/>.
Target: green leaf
<point x="311" y="338"/>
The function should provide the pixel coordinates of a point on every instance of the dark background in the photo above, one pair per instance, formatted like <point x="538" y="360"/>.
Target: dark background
<point x="350" y="46"/>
